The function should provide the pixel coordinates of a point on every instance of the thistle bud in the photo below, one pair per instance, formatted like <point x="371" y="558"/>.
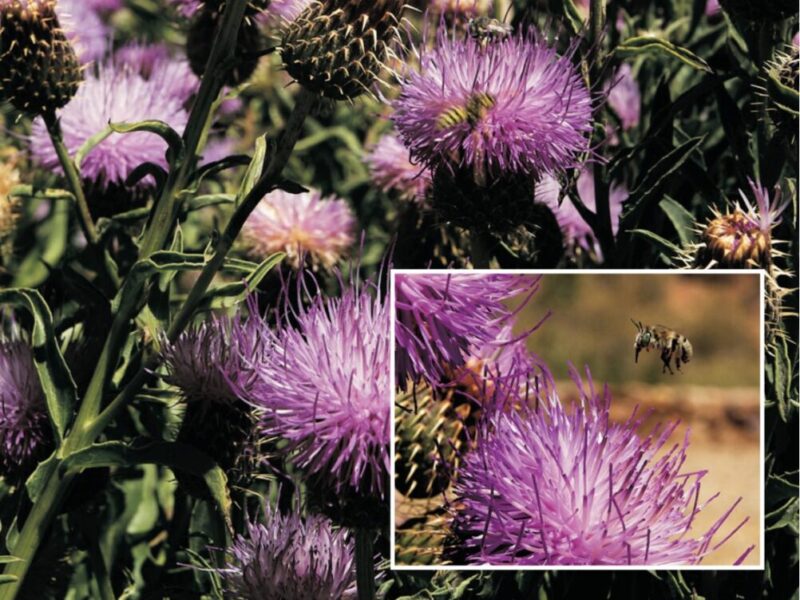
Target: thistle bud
<point x="39" y="70"/>
<point x="733" y="241"/>
<point x="337" y="47"/>
<point x="780" y="89"/>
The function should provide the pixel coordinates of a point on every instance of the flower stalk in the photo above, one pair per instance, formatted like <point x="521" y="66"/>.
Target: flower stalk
<point x="73" y="178"/>
<point x="365" y="564"/>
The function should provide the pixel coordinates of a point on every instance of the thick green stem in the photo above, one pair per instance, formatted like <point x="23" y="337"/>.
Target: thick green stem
<point x="73" y="178"/>
<point x="365" y="564"/>
<point x="37" y="523"/>
<point x="267" y="182"/>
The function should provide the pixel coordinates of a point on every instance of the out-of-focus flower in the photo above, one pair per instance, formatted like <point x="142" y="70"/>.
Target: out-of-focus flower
<point x="323" y="385"/>
<point x="338" y="48"/>
<point x="155" y="60"/>
<point x="576" y="232"/>
<point x="84" y="27"/>
<point x="98" y="103"/>
<point x="552" y="486"/>
<point x="513" y="105"/>
<point x="392" y="170"/>
<point x="39" y="71"/>
<point x="289" y="557"/>
<point x="440" y="316"/>
<point x="467" y="8"/>
<point x="24" y="426"/>
<point x="712" y="8"/>
<point x="299" y="225"/>
<point x="9" y="205"/>
<point x="624" y="97"/>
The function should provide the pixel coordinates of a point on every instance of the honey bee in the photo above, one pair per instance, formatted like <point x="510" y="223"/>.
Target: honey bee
<point x="668" y="341"/>
<point x="487" y="29"/>
<point x="474" y="110"/>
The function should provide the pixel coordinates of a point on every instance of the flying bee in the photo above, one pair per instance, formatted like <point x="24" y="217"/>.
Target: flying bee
<point x="658" y="337"/>
<point x="487" y="29"/>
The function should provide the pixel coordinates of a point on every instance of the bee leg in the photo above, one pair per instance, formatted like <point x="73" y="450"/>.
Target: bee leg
<point x="636" y="356"/>
<point x="665" y="356"/>
<point x="678" y="363"/>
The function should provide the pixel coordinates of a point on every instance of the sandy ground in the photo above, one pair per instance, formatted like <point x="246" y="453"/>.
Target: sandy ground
<point x="724" y="441"/>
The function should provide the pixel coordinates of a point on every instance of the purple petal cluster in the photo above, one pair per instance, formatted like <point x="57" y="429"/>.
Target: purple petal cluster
<point x="289" y="557"/>
<point x="207" y="363"/>
<point x="24" y="427"/>
<point x="323" y="382"/>
<point x="85" y="29"/>
<point x="624" y="97"/>
<point x="98" y="102"/>
<point x="299" y="225"/>
<point x="576" y="231"/>
<point x="766" y="213"/>
<point x="499" y="370"/>
<point x="439" y="317"/>
<point x="393" y="171"/>
<point x="513" y="106"/>
<point x="552" y="486"/>
<point x="285" y="11"/>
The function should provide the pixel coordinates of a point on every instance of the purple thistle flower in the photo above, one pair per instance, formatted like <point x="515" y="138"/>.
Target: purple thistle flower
<point x="441" y="316"/>
<point x="24" y="426"/>
<point x="467" y="8"/>
<point x="186" y="8"/>
<point x="576" y="232"/>
<point x="513" y="106"/>
<point x="624" y="97"/>
<point x="300" y="225"/>
<point x="551" y="486"/>
<point x="207" y="362"/>
<point x="712" y="8"/>
<point x="89" y="34"/>
<point x="392" y="170"/>
<point x="99" y="101"/>
<point x="285" y="11"/>
<point x="324" y="386"/>
<point x="289" y="557"/>
<point x="156" y="60"/>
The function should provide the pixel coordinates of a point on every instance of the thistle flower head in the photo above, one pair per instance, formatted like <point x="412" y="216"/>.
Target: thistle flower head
<point x="557" y="486"/>
<point x="439" y="317"/>
<point x="24" y="426"/>
<point x="741" y="237"/>
<point x="300" y="225"/>
<point x="323" y="385"/>
<point x="578" y="235"/>
<point x="99" y="102"/>
<point x="337" y="47"/>
<point x="207" y="361"/>
<point x="289" y="557"/>
<point x="513" y="105"/>
<point x="392" y="170"/>
<point x="779" y="89"/>
<point x="39" y="71"/>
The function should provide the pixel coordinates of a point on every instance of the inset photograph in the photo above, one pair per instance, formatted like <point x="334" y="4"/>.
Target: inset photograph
<point x="577" y="419"/>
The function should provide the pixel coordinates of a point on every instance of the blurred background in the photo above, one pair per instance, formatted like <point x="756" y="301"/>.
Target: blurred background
<point x="716" y="394"/>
